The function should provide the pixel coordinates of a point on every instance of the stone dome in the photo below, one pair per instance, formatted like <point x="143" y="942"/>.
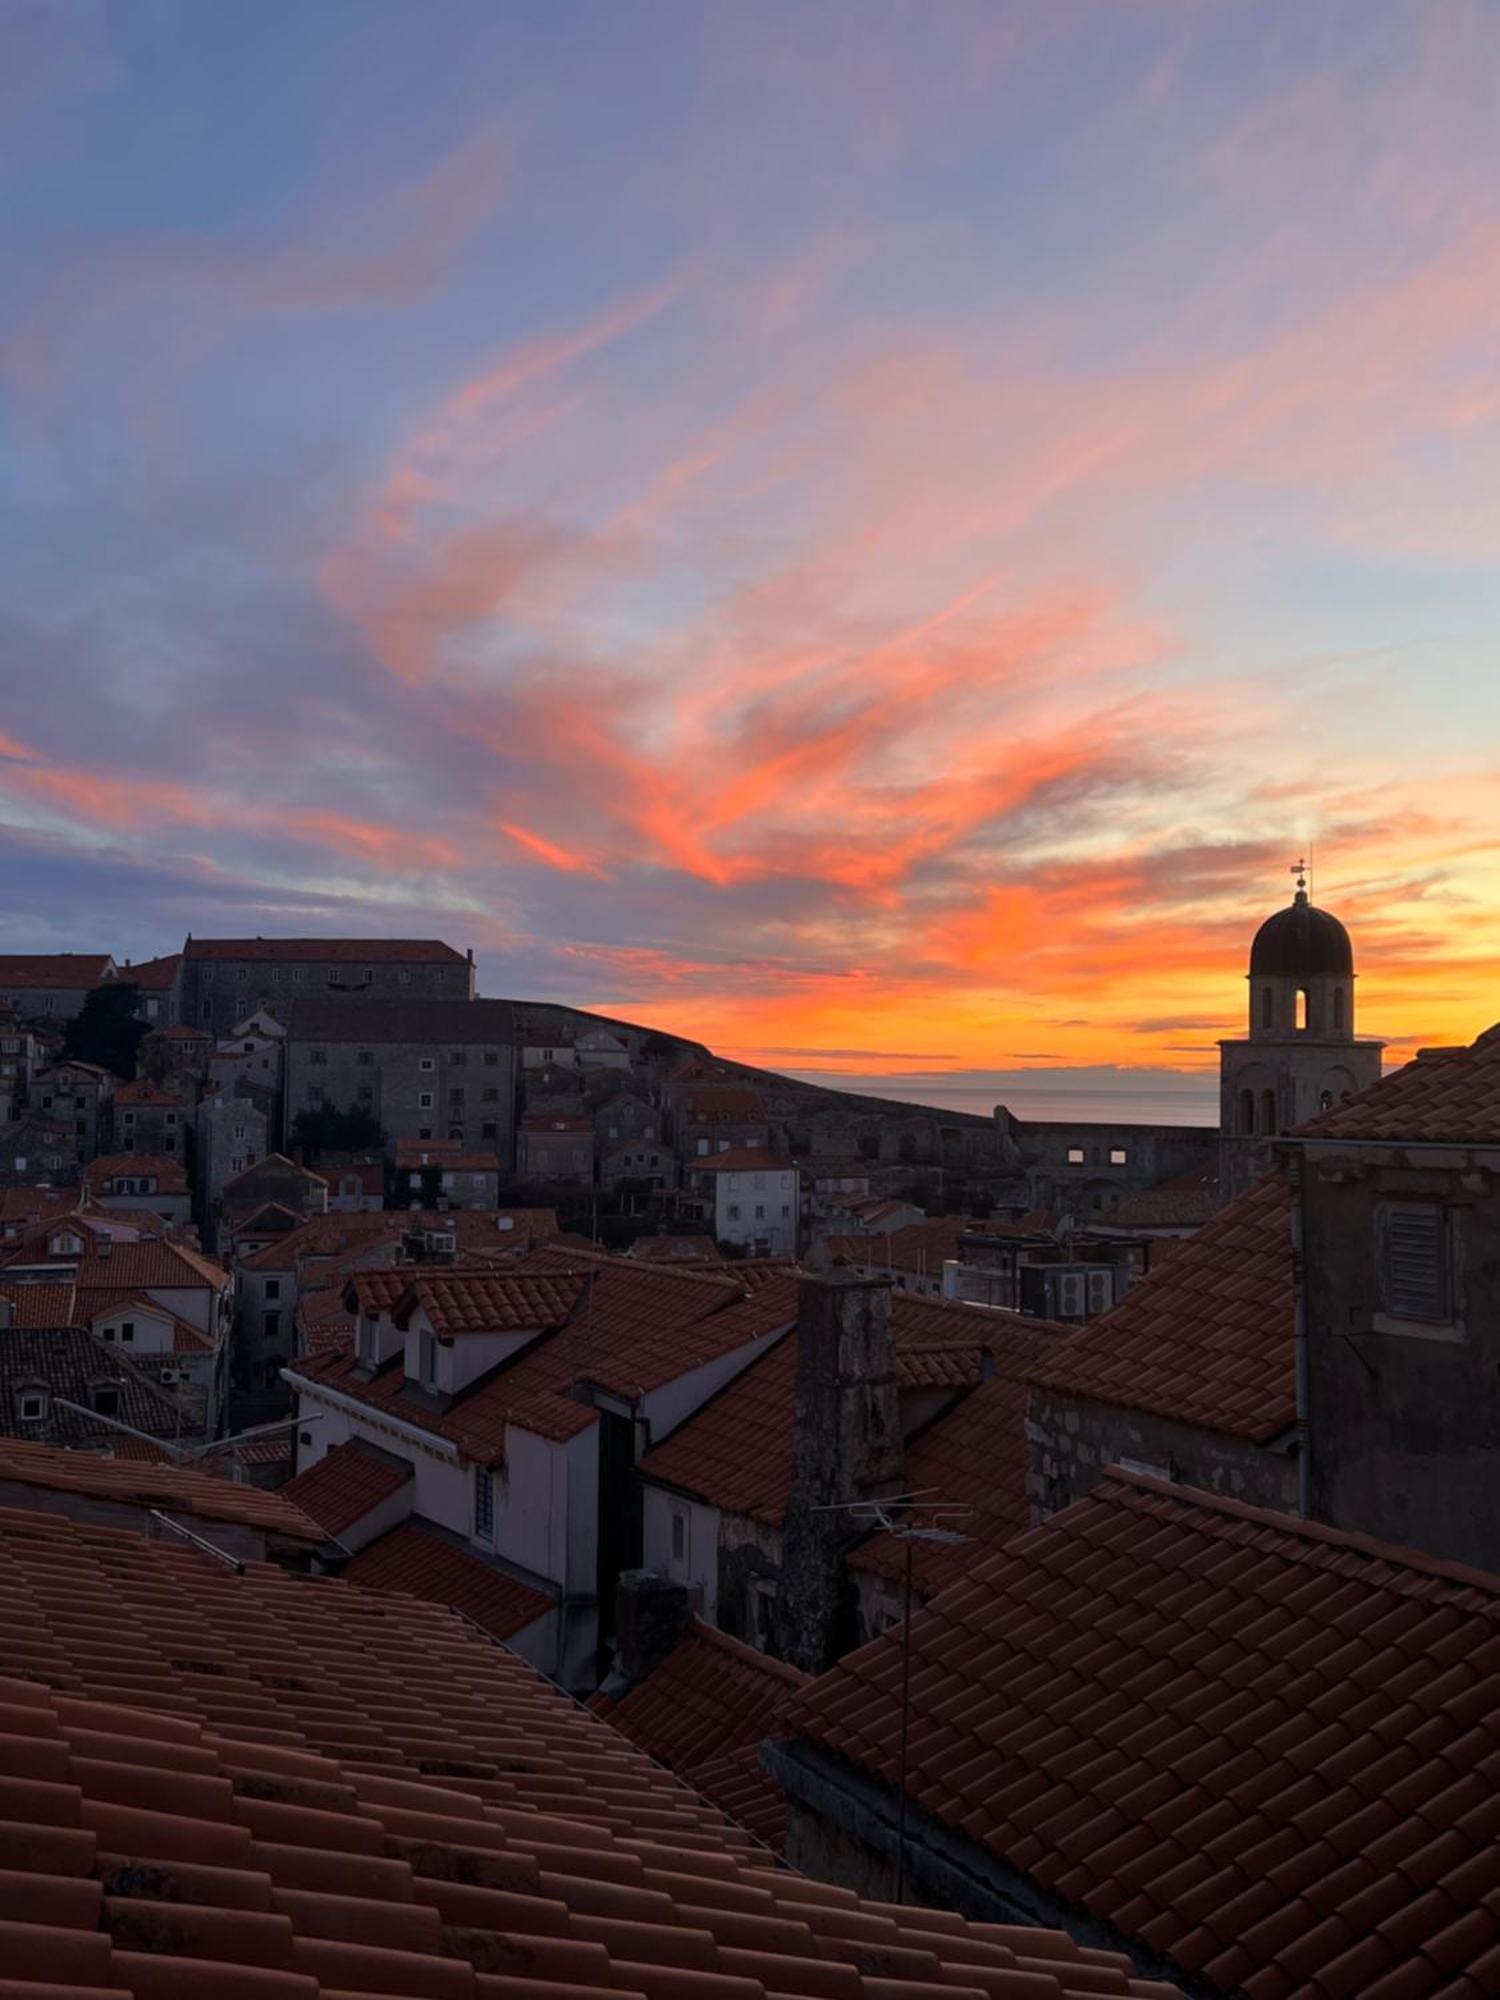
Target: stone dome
<point x="1302" y="942"/>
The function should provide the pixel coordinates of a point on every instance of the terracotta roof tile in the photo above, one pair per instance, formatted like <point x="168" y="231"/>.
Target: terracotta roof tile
<point x="1207" y="1339"/>
<point x="276" y="1786"/>
<point x="634" y="1328"/>
<point x="1445" y="1096"/>
<point x="168" y="1174"/>
<point x="362" y="951"/>
<point x="1104" y="1705"/>
<point x="345" y="1485"/>
<point x="174" y="1489"/>
<point x="920" y="1250"/>
<point x="43" y="971"/>
<point x="414" y="1560"/>
<point x="703" y="1713"/>
<point x="490" y="1300"/>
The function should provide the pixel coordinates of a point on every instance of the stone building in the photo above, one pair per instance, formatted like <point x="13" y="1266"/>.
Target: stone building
<point x="1190" y="1378"/>
<point x="1300" y="1054"/>
<point x="224" y="979"/>
<point x="152" y="1118"/>
<point x="424" y="1069"/>
<point x="78" y="1097"/>
<point x="556" y="1146"/>
<point x="52" y="985"/>
<point x="1399" y="1202"/>
<point x="232" y="1134"/>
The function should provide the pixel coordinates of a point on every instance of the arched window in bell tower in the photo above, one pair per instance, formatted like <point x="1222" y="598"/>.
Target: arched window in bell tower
<point x="1247" y="1113"/>
<point x="1268" y="1112"/>
<point x="1301" y="1010"/>
<point x="1267" y="1008"/>
<point x="1338" y="1010"/>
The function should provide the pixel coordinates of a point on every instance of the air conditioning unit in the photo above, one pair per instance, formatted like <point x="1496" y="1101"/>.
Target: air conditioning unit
<point x="1101" y="1289"/>
<point x="439" y="1241"/>
<point x="1071" y="1295"/>
<point x="171" y="1376"/>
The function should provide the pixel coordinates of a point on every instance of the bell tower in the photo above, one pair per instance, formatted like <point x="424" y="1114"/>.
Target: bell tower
<point x="1299" y="1054"/>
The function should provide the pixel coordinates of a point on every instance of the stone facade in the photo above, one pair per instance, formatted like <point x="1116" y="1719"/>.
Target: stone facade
<point x="1403" y="1411"/>
<point x="1071" y="1439"/>
<point x="231" y="1135"/>
<point x="224" y="979"/>
<point x="424" y="1069"/>
<point x="848" y="1447"/>
<point x="1084" y="1169"/>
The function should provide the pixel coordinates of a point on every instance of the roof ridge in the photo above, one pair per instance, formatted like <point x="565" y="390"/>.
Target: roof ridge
<point x="748" y="1655"/>
<point x="1295" y="1526"/>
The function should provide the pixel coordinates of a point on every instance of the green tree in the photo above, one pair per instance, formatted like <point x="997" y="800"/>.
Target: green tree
<point x="324" y="1128"/>
<point x="106" y="1030"/>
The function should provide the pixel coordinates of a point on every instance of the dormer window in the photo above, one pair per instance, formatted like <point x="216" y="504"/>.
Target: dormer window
<point x="32" y="1406"/>
<point x="66" y="1245"/>
<point x="427" y="1360"/>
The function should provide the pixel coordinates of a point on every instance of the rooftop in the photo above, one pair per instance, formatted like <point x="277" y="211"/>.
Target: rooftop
<point x="1205" y="1339"/>
<point x="352" y="951"/>
<point x="636" y="1328"/>
<point x="53" y="971"/>
<point x="711" y="1103"/>
<point x="172" y="1489"/>
<point x="265" y="1787"/>
<point x="1265" y="1750"/>
<point x="415" y="1561"/>
<point x="920" y="1250"/>
<point x="741" y="1160"/>
<point x="346" y="1484"/>
<point x="167" y="1173"/>
<point x="1447" y="1096"/>
<point x="703" y="1713"/>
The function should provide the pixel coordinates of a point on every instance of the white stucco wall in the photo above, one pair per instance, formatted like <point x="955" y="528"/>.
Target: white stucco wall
<point x="700" y="1563"/>
<point x="665" y="1408"/>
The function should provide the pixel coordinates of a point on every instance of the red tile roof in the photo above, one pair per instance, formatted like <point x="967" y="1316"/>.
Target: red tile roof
<point x="1446" y="1096"/>
<point x="921" y="1249"/>
<point x="153" y="975"/>
<point x="345" y="1485"/>
<point x="740" y="1160"/>
<point x="266" y="1787"/>
<point x="169" y="1175"/>
<point x="555" y="1121"/>
<point x="1206" y="1339"/>
<point x="25" y="1204"/>
<point x="636" y="1328"/>
<point x="1268" y="1751"/>
<point x="142" y="1091"/>
<point x="181" y="1034"/>
<point x="736" y="1452"/>
<point x="181" y="1491"/>
<point x="362" y="951"/>
<point x="492" y="1300"/>
<point x="58" y="970"/>
<point x="721" y="1104"/>
<point x="703" y="1713"/>
<point x="418" y="1563"/>
<point x="44" y="1303"/>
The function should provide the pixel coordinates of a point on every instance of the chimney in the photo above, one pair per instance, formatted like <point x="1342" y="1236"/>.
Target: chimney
<point x="7" y="1312"/>
<point x="651" y="1615"/>
<point x="846" y="1446"/>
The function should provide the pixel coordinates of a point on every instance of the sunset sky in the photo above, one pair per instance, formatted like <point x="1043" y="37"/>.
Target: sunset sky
<point x="868" y="534"/>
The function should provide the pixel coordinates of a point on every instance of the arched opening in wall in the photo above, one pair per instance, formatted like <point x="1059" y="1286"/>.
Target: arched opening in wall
<point x="1268" y="1111"/>
<point x="1267" y="1008"/>
<point x="1301" y="1010"/>
<point x="1247" y="1113"/>
<point x="1338" y="1009"/>
<point x="1325" y="1100"/>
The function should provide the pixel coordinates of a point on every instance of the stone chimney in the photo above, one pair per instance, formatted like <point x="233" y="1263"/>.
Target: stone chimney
<point x="847" y="1446"/>
<point x="651" y="1615"/>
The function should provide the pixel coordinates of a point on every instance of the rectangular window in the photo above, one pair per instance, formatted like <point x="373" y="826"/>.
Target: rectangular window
<point x="1075" y="1156"/>
<point x="1414" y="1264"/>
<point x="734" y="1211"/>
<point x="426" y="1062"/>
<point x="488" y="1132"/>
<point x="366" y="1093"/>
<point x="424" y="1100"/>
<point x="456" y="1059"/>
<point x="273" y="1288"/>
<point x="484" y="1505"/>
<point x="456" y="1093"/>
<point x="1118" y="1156"/>
<point x="492" y="1058"/>
<point x="317" y="1055"/>
<point x="760" y="1211"/>
<point x="127" y="1329"/>
<point x="33" y="1405"/>
<point x="297" y="975"/>
<point x="365" y="1058"/>
<point x="427" y="1360"/>
<point x="679" y="1534"/>
<point x="489" y="1095"/>
<point x="271" y="1325"/>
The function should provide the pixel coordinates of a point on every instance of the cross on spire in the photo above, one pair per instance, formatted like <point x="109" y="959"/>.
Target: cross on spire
<point x="1299" y="869"/>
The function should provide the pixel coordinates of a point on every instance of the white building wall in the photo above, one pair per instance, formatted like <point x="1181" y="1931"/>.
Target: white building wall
<point x="736" y="1198"/>
<point x="698" y="1566"/>
<point x="665" y="1408"/>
